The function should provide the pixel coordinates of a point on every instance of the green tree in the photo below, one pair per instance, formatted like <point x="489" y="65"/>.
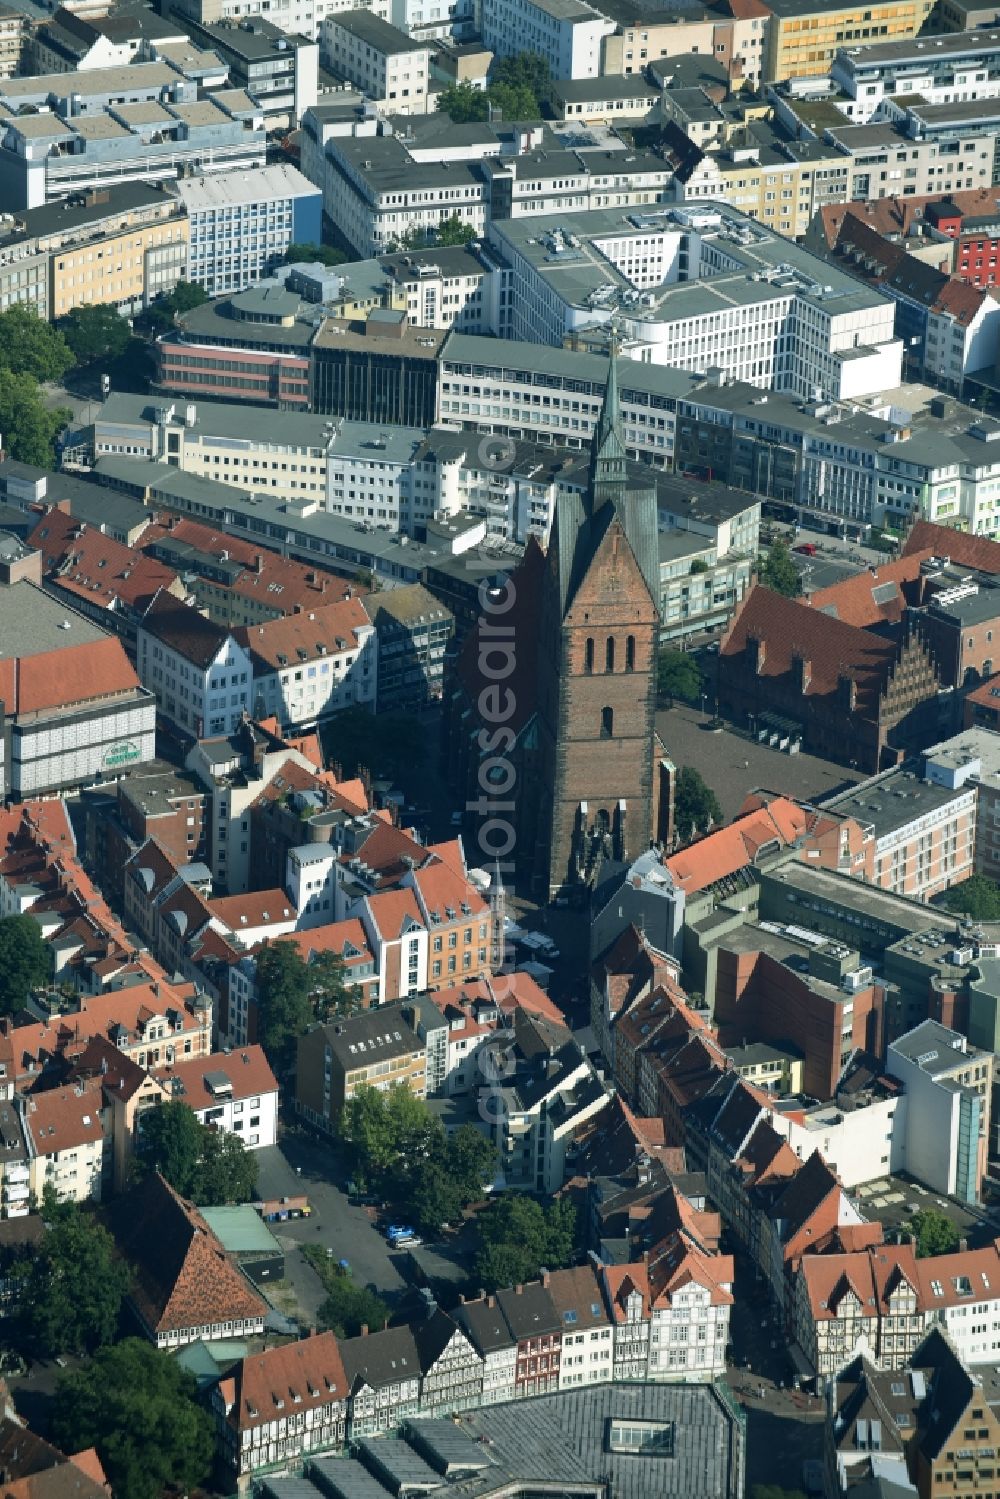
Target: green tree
<point x="31" y="346"/>
<point x="454" y="231"/>
<point x="171" y="1142"/>
<point x="185" y="296"/>
<point x="72" y="1295"/>
<point x="95" y="331"/>
<point x="935" y="1233"/>
<point x="284" y="1011"/>
<point x="779" y="571"/>
<point x="471" y="1162"/>
<point x="330" y="994"/>
<point x="383" y="1127"/>
<point x="696" y="806"/>
<point x="526" y="70"/>
<point x="977" y="897"/>
<point x="138" y="1407"/>
<point x="464" y="103"/>
<point x="678" y="675"/>
<point x="512" y="102"/>
<point x="348" y="1307"/>
<point x="308" y="253"/>
<point x="519" y="1237"/>
<point x="227" y="1172"/>
<point x="25" y="961"/>
<point x="29" y="428"/>
<point x="207" y="1165"/>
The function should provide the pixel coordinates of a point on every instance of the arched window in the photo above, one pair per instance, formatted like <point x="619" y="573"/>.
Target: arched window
<point x="630" y="653"/>
<point x="607" y="722"/>
<point x="609" y="654"/>
<point x="589" y="660"/>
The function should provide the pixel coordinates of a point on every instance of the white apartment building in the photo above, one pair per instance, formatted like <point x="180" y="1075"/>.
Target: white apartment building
<point x="567" y="33"/>
<point x="941" y="69"/>
<point x="540" y="1116"/>
<point x="699" y="287"/>
<point x="310" y="665"/>
<point x="201" y="676"/>
<point x="369" y="475"/>
<point x="671" y="1312"/>
<point x="311" y="879"/>
<point x="961" y="1293"/>
<point x="376" y="191"/>
<point x="241" y="224"/>
<point x="378" y="58"/>
<point x="278" y="453"/>
<point x="232" y="1091"/>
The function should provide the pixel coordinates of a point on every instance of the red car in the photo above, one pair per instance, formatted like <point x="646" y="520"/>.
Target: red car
<point x="807" y="548"/>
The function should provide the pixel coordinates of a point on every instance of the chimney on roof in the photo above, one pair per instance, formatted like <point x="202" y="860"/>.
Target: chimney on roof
<point x="757" y="652"/>
<point x="258" y="563"/>
<point x="545" y="1277"/>
<point x="801" y="671"/>
<point x="364" y="1329"/>
<point x="847" y="691"/>
<point x="518" y="1290"/>
<point x="963" y="1246"/>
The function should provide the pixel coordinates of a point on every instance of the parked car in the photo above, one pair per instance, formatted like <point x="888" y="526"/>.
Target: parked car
<point x="396" y="1233"/>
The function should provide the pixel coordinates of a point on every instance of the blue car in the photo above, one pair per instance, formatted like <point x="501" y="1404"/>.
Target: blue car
<point x="396" y="1234"/>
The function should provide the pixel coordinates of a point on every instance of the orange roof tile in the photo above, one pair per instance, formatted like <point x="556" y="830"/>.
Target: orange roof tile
<point x="962" y="547"/>
<point x="731" y="848"/>
<point x="328" y="630"/>
<point x="247" y="1069"/>
<point x="854" y="602"/>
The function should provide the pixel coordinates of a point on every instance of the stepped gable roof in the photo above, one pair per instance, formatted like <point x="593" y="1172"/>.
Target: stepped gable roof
<point x="788" y="629"/>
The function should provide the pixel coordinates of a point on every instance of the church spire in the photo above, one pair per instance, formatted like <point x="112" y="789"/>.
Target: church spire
<point x="607" y="454"/>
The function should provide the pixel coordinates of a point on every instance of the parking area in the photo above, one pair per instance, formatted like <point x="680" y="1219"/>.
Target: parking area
<point x="301" y="1164"/>
<point x="734" y="764"/>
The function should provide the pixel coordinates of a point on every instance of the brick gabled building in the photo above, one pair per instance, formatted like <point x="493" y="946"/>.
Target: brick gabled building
<point x="281" y="1405"/>
<point x="845" y="693"/>
<point x="578" y="633"/>
<point x="184" y="1286"/>
<point x="451" y="1367"/>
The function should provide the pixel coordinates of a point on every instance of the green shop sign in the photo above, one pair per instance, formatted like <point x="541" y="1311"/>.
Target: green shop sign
<point x="121" y="754"/>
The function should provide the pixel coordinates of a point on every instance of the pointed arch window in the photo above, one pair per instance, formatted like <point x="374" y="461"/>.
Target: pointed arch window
<point x="607" y="722"/>
<point x="609" y="654"/>
<point x="589" y="655"/>
<point x="630" y="653"/>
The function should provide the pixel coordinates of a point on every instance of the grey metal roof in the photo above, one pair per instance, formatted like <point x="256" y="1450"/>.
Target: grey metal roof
<point x="31" y="622"/>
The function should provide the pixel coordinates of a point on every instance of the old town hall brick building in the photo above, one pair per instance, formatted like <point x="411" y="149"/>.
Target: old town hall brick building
<point x="557" y="752"/>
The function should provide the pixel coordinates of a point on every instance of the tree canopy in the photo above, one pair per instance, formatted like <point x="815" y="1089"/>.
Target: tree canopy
<point x="401" y="1150"/>
<point x="29" y="427"/>
<point x="516" y="88"/>
<point x="31" y="346"/>
<point x="348" y="1307"/>
<point x="935" y="1233"/>
<point x="779" y="571"/>
<point x="95" y="331"/>
<point x="678" y="675"/>
<point x="25" y="960"/>
<point x="454" y="231"/>
<point x="325" y="254"/>
<point x="977" y="897"/>
<point x="72" y="1294"/>
<point x="138" y="1407"/>
<point x="211" y="1167"/>
<point x="696" y="806"/>
<point x="519" y="1237"/>
<point x="185" y="295"/>
<point x="284" y="1009"/>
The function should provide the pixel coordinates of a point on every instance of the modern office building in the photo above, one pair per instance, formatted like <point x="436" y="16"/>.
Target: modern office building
<point x="241" y="224"/>
<point x="697" y="288"/>
<point x="567" y="33"/>
<point x="277" y="69"/>
<point x="804" y="36"/>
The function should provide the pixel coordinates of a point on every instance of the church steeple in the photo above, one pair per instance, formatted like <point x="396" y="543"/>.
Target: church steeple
<point x="607" y="453"/>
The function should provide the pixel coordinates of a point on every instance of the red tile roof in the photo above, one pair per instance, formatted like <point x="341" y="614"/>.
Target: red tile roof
<point x="833" y="649"/>
<point x="963" y="1278"/>
<point x="901" y="216"/>
<point x="873" y="1274"/>
<point x="63" y="678"/>
<point x="80" y="559"/>
<point x="182" y="1277"/>
<point x="347" y="939"/>
<point x="64" y="1118"/>
<point x="297" y="1377"/>
<point x="853" y="600"/>
<point x="329" y="630"/>
<point x="256" y="908"/>
<point x="967" y="550"/>
<point x="733" y="847"/>
<point x="246" y="1068"/>
<point x="98" y="1015"/>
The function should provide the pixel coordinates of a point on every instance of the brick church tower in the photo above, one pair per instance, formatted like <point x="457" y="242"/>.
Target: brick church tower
<point x="599" y="630"/>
